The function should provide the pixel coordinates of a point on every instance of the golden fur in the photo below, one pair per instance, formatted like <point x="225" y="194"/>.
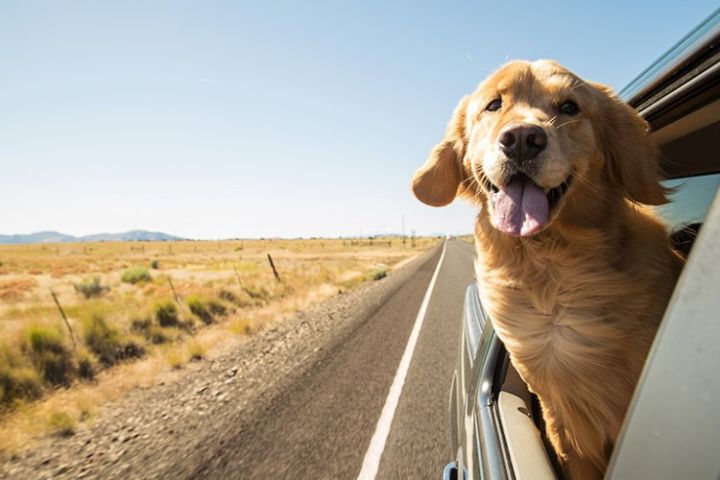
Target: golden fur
<point x="576" y="304"/>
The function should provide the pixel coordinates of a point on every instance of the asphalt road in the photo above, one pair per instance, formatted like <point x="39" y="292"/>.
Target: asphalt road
<point x="321" y="426"/>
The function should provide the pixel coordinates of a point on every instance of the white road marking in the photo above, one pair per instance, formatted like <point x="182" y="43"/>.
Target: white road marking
<point x="371" y="462"/>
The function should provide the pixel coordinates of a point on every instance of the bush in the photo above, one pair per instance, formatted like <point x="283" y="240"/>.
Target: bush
<point x="175" y="359"/>
<point x="206" y="309"/>
<point x="132" y="349"/>
<point x="216" y="308"/>
<point x="241" y="326"/>
<point x="200" y="309"/>
<point x="136" y="275"/>
<point x="166" y="313"/>
<point x="86" y="365"/>
<point x="377" y="273"/>
<point x="239" y="300"/>
<point x="155" y="264"/>
<point x="141" y="325"/>
<point x="61" y="424"/>
<point x="228" y="296"/>
<point x="91" y="288"/>
<point x="18" y="383"/>
<point x="196" y="351"/>
<point x="50" y="355"/>
<point x="102" y="340"/>
<point x="258" y="293"/>
<point x="152" y="333"/>
<point x="107" y="343"/>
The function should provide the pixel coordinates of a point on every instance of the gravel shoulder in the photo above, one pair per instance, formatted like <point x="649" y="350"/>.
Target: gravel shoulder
<point x="143" y="434"/>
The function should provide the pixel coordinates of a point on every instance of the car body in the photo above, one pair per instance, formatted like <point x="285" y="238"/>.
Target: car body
<point x="672" y="429"/>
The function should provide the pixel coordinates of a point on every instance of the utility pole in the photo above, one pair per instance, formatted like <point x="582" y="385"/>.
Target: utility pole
<point x="403" y="229"/>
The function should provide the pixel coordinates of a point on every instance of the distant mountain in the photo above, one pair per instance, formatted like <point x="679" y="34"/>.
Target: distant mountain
<point x="132" y="235"/>
<point x="57" y="237"/>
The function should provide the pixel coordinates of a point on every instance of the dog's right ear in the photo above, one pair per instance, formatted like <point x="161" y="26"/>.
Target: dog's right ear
<point x="437" y="182"/>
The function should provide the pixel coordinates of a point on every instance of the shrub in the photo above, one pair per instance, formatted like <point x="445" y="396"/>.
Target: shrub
<point x="239" y="300"/>
<point x="240" y="327"/>
<point x="140" y="325"/>
<point x="166" y="313"/>
<point x="18" y="383"/>
<point x="216" y="308"/>
<point x="259" y="294"/>
<point x="155" y="264"/>
<point x="175" y="359"/>
<point x="102" y="340"/>
<point x="61" y="424"/>
<point x="107" y="343"/>
<point x="91" y="288"/>
<point x="377" y="273"/>
<point x="152" y="333"/>
<point x="85" y="365"/>
<point x="228" y="296"/>
<point x="131" y="348"/>
<point x="200" y="309"/>
<point x="50" y="355"/>
<point x="136" y="275"/>
<point x="196" y="351"/>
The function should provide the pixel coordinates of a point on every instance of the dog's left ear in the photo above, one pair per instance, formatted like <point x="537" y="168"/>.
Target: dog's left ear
<point x="632" y="160"/>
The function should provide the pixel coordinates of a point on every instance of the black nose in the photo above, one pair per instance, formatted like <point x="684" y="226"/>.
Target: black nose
<point x="522" y="142"/>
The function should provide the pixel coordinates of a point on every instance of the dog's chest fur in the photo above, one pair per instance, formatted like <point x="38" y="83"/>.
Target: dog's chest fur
<point x="577" y="321"/>
<point x="562" y="311"/>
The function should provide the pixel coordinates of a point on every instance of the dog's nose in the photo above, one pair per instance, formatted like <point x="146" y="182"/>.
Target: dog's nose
<point x="522" y="142"/>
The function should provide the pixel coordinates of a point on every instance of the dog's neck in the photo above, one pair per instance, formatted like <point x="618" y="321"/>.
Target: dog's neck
<point x="535" y="264"/>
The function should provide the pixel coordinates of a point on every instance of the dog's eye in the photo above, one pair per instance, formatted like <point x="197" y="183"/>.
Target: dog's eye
<point x="569" y="108"/>
<point x="493" y="106"/>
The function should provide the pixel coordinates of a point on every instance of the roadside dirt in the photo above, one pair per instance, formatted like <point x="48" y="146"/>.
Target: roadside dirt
<point x="143" y="434"/>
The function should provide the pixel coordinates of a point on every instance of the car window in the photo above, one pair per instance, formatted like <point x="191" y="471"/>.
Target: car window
<point x="690" y="201"/>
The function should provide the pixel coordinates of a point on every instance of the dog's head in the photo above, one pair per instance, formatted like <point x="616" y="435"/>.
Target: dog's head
<point x="536" y="143"/>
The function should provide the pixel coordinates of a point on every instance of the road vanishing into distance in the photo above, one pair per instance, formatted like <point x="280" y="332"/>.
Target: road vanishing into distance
<point x="321" y="427"/>
<point x="355" y="387"/>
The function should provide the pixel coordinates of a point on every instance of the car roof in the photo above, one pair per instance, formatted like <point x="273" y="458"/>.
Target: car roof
<point x="683" y="61"/>
<point x="679" y="95"/>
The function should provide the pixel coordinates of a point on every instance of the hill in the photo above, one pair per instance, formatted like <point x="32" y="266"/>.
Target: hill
<point x="57" y="237"/>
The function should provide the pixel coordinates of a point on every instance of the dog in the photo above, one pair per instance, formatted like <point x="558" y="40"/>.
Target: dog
<point x="572" y="265"/>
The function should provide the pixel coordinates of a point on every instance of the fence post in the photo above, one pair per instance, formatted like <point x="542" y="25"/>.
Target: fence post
<point x="172" y="287"/>
<point x="67" y="323"/>
<point x="272" y="265"/>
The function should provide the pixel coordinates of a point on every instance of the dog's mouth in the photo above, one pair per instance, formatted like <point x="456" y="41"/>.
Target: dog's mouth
<point x="521" y="207"/>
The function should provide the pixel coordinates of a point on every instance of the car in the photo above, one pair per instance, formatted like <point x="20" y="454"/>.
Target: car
<point x="672" y="428"/>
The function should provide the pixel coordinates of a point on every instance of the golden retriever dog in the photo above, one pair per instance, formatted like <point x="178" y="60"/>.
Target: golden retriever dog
<point x="573" y="268"/>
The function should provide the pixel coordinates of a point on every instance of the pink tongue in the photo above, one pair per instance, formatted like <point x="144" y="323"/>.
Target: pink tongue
<point x="520" y="207"/>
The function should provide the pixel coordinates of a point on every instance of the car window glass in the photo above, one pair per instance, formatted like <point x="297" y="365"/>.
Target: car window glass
<point x="690" y="201"/>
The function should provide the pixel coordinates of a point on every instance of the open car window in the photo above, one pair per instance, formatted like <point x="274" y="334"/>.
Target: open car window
<point x="690" y="201"/>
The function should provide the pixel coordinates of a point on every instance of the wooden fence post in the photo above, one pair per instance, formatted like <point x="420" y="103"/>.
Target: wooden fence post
<point x="67" y="323"/>
<point x="272" y="265"/>
<point x="172" y="287"/>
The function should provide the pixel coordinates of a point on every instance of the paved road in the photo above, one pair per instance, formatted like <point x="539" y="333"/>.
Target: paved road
<point x="321" y="426"/>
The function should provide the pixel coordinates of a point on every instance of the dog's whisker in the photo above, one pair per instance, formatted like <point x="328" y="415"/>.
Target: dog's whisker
<point x="569" y="122"/>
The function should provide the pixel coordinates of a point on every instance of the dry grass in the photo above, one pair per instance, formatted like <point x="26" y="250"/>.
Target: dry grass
<point x="196" y="294"/>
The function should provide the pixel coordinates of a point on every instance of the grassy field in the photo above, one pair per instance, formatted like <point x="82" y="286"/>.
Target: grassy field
<point x="128" y="300"/>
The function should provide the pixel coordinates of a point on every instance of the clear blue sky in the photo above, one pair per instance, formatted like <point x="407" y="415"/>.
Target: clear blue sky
<point x="214" y="119"/>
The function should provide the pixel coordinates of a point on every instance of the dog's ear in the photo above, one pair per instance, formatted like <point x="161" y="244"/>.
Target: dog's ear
<point x="437" y="182"/>
<point x="632" y="160"/>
